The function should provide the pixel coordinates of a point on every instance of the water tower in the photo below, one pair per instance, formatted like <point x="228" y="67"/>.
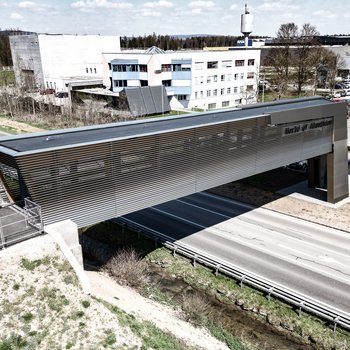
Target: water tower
<point x="246" y="24"/>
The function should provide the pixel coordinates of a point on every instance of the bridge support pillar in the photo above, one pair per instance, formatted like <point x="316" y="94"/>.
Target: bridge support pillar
<point x="337" y="172"/>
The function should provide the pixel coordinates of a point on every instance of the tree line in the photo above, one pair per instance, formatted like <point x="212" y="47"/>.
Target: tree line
<point x="167" y="42"/>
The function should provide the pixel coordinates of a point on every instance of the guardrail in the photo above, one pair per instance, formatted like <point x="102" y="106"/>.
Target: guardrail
<point x="303" y="302"/>
<point x="20" y="223"/>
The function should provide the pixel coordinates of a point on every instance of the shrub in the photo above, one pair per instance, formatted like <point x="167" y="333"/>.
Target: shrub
<point x="196" y="308"/>
<point x="127" y="268"/>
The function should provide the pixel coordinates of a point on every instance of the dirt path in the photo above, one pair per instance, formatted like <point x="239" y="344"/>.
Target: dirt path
<point x="162" y="316"/>
<point x="18" y="126"/>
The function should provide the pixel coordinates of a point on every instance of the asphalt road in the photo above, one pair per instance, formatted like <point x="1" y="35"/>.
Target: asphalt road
<point x="306" y="257"/>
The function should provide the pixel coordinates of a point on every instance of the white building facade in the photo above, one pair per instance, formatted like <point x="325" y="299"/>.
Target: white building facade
<point x="52" y="61"/>
<point x="193" y="79"/>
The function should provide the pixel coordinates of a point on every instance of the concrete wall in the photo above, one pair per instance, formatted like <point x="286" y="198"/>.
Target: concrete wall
<point x="26" y="57"/>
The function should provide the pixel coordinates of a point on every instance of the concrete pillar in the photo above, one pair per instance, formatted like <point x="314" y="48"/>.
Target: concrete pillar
<point x="337" y="172"/>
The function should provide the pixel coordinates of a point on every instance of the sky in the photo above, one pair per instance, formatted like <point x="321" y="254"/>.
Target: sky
<point x="143" y="17"/>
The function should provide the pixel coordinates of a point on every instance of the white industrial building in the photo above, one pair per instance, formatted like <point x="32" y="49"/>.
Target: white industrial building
<point x="193" y="79"/>
<point x="56" y="61"/>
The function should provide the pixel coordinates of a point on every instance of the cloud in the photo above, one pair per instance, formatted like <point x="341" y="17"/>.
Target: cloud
<point x="234" y="7"/>
<point x="27" y="4"/>
<point x="277" y="6"/>
<point x="15" y="15"/>
<point x="201" y="4"/>
<point x="157" y="4"/>
<point x="104" y="4"/>
<point x="196" y="11"/>
<point x="325" y="14"/>
<point x="147" y="13"/>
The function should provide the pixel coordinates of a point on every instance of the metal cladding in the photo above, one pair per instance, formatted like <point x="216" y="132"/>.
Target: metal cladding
<point x="96" y="173"/>
<point x="147" y="100"/>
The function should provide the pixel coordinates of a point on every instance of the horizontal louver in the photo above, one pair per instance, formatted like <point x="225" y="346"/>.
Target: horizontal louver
<point x="93" y="183"/>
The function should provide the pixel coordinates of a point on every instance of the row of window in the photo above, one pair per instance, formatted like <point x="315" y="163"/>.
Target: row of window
<point x="124" y="83"/>
<point x="129" y="68"/>
<point x="224" y="64"/>
<point x="91" y="70"/>
<point x="223" y="91"/>
<point x="223" y="77"/>
<point x="224" y="104"/>
<point x="176" y="67"/>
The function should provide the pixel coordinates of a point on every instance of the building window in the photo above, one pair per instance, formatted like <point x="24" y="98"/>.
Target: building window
<point x="227" y="64"/>
<point x="212" y="64"/>
<point x="208" y="93"/>
<point x="250" y="75"/>
<point x="223" y="77"/>
<point x="211" y="105"/>
<point x="225" y="103"/>
<point x="198" y="65"/>
<point x="166" y="82"/>
<point x="239" y="63"/>
<point x="229" y="77"/>
<point x="235" y="89"/>
<point x="166" y="67"/>
<point x="241" y="89"/>
<point x="196" y="95"/>
<point x="109" y="66"/>
<point x="208" y="79"/>
<point x="241" y="76"/>
<point x="228" y="90"/>
<point x="120" y="83"/>
<point x="223" y="91"/>
<point x="202" y="94"/>
<point x="251" y="62"/>
<point x="201" y="80"/>
<point x="144" y="82"/>
<point x="143" y="67"/>
<point x="236" y="76"/>
<point x="87" y="70"/>
<point x="215" y="92"/>
<point x="238" y="102"/>
<point x="215" y="78"/>
<point x="90" y="70"/>
<point x="176" y="67"/>
<point x="250" y="88"/>
<point x="95" y="70"/>
<point x="125" y="68"/>
<point x="182" y="97"/>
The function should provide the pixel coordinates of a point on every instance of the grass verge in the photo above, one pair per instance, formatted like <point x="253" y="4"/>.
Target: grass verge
<point x="275" y="312"/>
<point x="152" y="337"/>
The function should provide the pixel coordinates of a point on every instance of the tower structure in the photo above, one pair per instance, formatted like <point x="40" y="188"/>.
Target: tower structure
<point x="246" y="24"/>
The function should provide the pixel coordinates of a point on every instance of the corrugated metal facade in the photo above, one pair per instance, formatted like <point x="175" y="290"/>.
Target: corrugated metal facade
<point x="147" y="163"/>
<point x="93" y="183"/>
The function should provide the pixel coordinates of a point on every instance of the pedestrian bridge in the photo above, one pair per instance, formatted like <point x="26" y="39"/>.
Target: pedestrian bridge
<point x="95" y="173"/>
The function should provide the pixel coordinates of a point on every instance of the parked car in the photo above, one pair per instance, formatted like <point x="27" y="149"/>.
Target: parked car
<point x="298" y="166"/>
<point x="61" y="94"/>
<point x="47" y="92"/>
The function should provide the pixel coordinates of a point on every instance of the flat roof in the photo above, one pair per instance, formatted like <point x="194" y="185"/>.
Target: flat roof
<point x="68" y="138"/>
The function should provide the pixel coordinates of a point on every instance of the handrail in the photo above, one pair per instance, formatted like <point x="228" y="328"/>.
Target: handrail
<point x="292" y="297"/>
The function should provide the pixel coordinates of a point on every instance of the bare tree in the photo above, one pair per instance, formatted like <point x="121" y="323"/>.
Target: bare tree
<point x="280" y="57"/>
<point x="305" y="58"/>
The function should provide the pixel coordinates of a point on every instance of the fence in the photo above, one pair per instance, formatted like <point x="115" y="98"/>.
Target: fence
<point x="18" y="224"/>
<point x="302" y="302"/>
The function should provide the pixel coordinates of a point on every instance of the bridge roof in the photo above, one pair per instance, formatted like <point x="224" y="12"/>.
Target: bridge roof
<point x="68" y="138"/>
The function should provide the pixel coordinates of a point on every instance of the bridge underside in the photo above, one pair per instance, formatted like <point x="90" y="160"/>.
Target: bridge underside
<point x="100" y="177"/>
